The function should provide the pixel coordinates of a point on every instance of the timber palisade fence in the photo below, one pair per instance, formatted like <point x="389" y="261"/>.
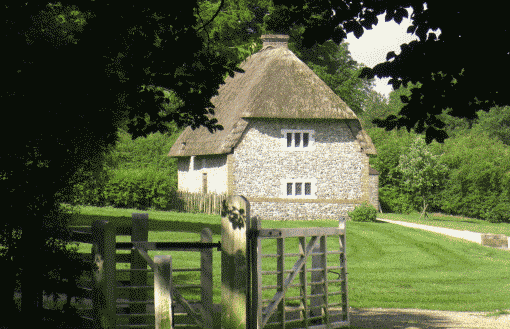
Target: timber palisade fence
<point x="205" y="203"/>
<point x="241" y="275"/>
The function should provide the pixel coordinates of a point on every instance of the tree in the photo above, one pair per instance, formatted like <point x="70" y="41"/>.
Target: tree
<point x="75" y="76"/>
<point x="496" y="123"/>
<point x="390" y="145"/>
<point x="479" y="173"/>
<point x="421" y="171"/>
<point x="448" y="67"/>
<point x="374" y="106"/>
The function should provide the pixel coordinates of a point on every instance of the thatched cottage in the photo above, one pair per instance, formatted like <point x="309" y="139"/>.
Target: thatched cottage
<point x="290" y="145"/>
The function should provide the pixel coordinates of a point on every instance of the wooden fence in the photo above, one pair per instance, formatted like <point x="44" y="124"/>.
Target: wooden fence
<point x="242" y="303"/>
<point x="209" y="203"/>
<point x="105" y="290"/>
<point x="241" y="274"/>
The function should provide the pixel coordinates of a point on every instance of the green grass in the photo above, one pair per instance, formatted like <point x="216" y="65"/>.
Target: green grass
<point x="453" y="222"/>
<point x="497" y="313"/>
<point x="389" y="266"/>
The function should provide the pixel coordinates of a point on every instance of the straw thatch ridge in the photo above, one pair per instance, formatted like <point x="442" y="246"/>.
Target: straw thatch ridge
<point x="276" y="84"/>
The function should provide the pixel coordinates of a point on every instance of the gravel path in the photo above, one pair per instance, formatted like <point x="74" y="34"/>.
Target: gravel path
<point x="466" y="235"/>
<point x="391" y="318"/>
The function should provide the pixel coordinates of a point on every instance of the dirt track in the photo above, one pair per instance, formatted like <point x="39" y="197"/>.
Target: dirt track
<point x="425" y="319"/>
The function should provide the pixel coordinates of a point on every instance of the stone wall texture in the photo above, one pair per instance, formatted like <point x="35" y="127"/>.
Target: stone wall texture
<point x="336" y="163"/>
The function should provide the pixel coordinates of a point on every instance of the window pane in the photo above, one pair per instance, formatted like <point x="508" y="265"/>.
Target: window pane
<point x="298" y="188"/>
<point x="308" y="188"/>
<point x="289" y="188"/>
<point x="305" y="139"/>
<point x="289" y="139"/>
<point x="297" y="137"/>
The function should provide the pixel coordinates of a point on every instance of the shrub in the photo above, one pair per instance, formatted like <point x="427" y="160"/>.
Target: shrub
<point x="139" y="188"/>
<point x="498" y="214"/>
<point x="393" y="200"/>
<point x="363" y="213"/>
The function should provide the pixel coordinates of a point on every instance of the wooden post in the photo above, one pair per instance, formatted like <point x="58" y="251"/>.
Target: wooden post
<point x="255" y="269"/>
<point x="140" y="233"/>
<point x="343" y="272"/>
<point x="234" y="264"/>
<point x="280" y="277"/>
<point x="318" y="262"/>
<point x="104" y="299"/>
<point x="162" y="292"/>
<point x="206" y="278"/>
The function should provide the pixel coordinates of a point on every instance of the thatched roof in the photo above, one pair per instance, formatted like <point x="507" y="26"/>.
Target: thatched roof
<point x="276" y="84"/>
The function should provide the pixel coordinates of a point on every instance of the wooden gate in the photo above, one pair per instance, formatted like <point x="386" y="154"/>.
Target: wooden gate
<point x="108" y="308"/>
<point x="241" y="273"/>
<point x="320" y="313"/>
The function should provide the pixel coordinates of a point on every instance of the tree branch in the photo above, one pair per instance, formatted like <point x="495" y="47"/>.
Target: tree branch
<point x="214" y="16"/>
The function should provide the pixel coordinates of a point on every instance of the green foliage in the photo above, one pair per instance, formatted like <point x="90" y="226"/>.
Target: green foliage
<point x="378" y="107"/>
<point x="375" y="106"/>
<point x="496" y="123"/>
<point x="234" y="17"/>
<point x="363" y="213"/>
<point x="479" y="173"/>
<point x="136" y="172"/>
<point x="139" y="188"/>
<point x="456" y="126"/>
<point x="58" y="25"/>
<point x="498" y="214"/>
<point x="422" y="173"/>
<point x="395" y="200"/>
<point x="143" y="152"/>
<point x="390" y="145"/>
<point x="90" y="190"/>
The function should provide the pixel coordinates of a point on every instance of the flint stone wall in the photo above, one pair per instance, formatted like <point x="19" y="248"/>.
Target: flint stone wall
<point x="337" y="163"/>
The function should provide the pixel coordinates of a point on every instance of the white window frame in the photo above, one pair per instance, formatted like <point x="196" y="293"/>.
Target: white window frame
<point x="313" y="190"/>
<point x="311" y="140"/>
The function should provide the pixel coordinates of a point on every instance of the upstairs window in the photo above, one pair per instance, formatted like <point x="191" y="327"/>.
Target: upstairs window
<point x="298" y="140"/>
<point x="299" y="188"/>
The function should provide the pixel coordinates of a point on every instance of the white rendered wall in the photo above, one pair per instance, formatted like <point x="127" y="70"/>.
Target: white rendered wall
<point x="190" y="173"/>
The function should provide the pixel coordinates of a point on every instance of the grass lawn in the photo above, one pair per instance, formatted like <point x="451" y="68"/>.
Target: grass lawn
<point x="453" y="222"/>
<point x="389" y="266"/>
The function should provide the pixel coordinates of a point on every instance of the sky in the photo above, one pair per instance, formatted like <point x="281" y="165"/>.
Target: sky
<point x="372" y="47"/>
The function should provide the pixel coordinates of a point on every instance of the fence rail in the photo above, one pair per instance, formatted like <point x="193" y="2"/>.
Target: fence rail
<point x="105" y="289"/>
